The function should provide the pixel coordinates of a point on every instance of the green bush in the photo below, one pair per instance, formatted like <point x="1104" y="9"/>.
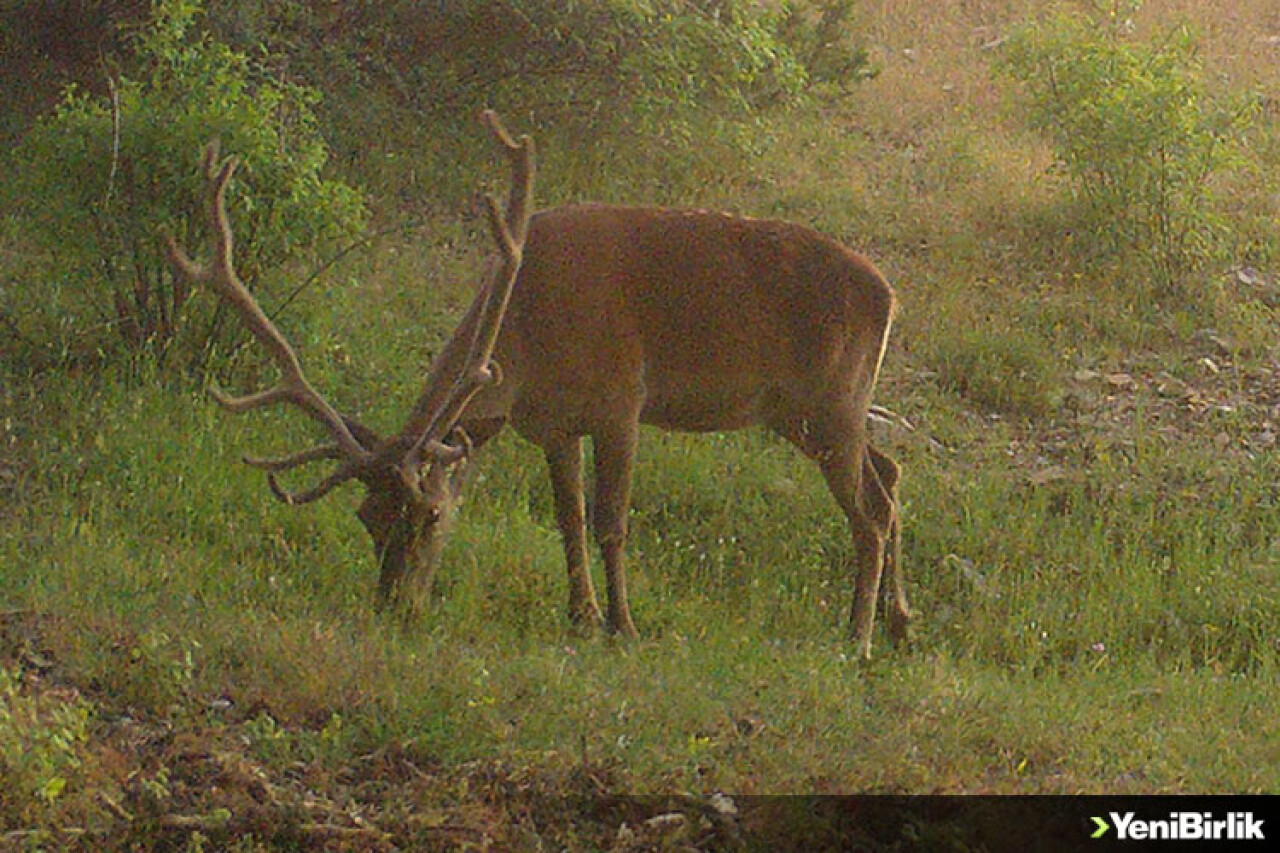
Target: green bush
<point x="101" y="176"/>
<point x="648" y="77"/>
<point x="1136" y="132"/>
<point x="643" y="61"/>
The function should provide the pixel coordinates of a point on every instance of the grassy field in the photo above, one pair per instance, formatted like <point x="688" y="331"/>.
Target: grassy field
<point x="1091" y="531"/>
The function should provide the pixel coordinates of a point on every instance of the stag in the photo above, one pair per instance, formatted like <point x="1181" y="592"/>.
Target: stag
<point x="590" y="321"/>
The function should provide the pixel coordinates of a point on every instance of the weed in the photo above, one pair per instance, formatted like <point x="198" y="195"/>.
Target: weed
<point x="998" y="368"/>
<point x="41" y="741"/>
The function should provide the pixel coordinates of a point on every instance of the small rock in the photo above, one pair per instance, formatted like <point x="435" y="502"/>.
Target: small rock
<point x="724" y="805"/>
<point x="1121" y="380"/>
<point x="666" y="822"/>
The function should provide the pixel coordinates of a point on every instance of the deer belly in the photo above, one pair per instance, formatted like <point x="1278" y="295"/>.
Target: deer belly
<point x="701" y="409"/>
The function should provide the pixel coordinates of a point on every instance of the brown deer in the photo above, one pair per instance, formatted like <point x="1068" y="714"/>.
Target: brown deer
<point x="590" y="321"/>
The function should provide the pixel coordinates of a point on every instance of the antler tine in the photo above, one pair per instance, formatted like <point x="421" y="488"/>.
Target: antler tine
<point x="219" y="273"/>
<point x="509" y="230"/>
<point x="348" y="470"/>
<point x="286" y="463"/>
<point x="293" y="385"/>
<point x="521" y="154"/>
<point x="178" y="258"/>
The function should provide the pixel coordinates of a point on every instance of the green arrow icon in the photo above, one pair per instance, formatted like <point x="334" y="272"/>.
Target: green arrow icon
<point x="1102" y="827"/>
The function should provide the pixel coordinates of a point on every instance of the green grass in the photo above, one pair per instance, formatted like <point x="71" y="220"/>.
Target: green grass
<point x="1117" y="603"/>
<point x="1108" y="630"/>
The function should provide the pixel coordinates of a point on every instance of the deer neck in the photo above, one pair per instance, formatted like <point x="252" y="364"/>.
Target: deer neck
<point x="446" y="368"/>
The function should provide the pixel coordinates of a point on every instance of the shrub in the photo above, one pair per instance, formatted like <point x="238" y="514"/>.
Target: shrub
<point x="1136" y="132"/>
<point x="639" y="60"/>
<point x="101" y="176"/>
<point x="641" y="76"/>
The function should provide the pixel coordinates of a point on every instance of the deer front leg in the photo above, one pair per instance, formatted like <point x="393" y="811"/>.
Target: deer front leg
<point x="564" y="459"/>
<point x="615" y="453"/>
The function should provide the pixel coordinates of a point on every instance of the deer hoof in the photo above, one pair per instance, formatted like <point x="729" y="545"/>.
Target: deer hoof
<point x="587" y="620"/>
<point x="624" y="629"/>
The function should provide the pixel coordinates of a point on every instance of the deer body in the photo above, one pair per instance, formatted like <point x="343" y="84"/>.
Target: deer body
<point x="592" y="320"/>
<point x="695" y="321"/>
<point x="704" y="321"/>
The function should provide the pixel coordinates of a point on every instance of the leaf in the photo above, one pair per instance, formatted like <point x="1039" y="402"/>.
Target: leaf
<point x="52" y="788"/>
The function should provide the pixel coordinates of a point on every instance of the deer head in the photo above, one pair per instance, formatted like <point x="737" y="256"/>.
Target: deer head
<point x="411" y="479"/>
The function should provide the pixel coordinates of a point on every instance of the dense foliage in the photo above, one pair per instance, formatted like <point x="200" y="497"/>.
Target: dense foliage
<point x="644" y="62"/>
<point x="1136" y="131"/>
<point x="101" y="177"/>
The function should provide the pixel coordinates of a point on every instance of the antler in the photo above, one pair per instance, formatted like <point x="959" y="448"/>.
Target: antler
<point x="509" y="231"/>
<point x="293" y="386"/>
<point x="355" y="446"/>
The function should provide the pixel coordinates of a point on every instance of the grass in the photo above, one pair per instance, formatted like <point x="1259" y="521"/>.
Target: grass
<point x="1149" y="569"/>
<point x="1091" y="535"/>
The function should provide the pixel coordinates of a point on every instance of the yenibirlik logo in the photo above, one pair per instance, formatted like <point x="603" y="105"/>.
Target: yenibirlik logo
<point x="1182" y="826"/>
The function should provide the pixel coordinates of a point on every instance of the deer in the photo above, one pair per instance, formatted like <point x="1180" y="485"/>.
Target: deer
<point x="589" y="321"/>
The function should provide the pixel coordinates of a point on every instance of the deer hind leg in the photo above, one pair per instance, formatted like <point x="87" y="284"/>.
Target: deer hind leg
<point x="870" y="521"/>
<point x="564" y="459"/>
<point x="836" y="440"/>
<point x="893" y="586"/>
<point x="614" y="455"/>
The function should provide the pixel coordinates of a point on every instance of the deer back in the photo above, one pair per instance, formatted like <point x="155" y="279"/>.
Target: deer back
<point x="698" y="318"/>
